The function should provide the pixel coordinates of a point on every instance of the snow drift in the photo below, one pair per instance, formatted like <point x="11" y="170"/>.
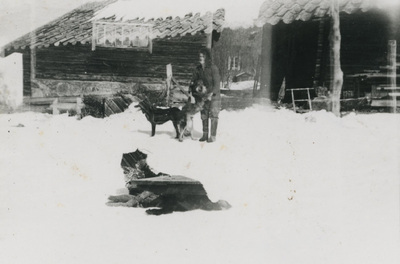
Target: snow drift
<point x="306" y="188"/>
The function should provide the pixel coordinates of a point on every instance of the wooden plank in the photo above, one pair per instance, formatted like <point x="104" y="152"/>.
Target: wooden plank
<point x="78" y="62"/>
<point x="94" y="36"/>
<point x="169" y="80"/>
<point x="382" y="103"/>
<point x="38" y="101"/>
<point x="392" y="47"/>
<point x="123" y="24"/>
<point x="168" y="185"/>
<point x="166" y="180"/>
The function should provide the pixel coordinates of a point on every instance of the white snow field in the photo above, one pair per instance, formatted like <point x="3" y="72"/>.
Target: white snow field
<point x="304" y="188"/>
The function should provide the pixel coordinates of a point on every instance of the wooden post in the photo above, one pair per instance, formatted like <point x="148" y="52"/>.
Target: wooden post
<point x="211" y="28"/>
<point x="392" y="51"/>
<point x="103" y="101"/>
<point x="266" y="61"/>
<point x="54" y="107"/>
<point x="169" y="81"/>
<point x="79" y="106"/>
<point x="33" y="60"/>
<point x="209" y="40"/>
<point x="94" y="35"/>
<point x="257" y="77"/>
<point x="336" y="71"/>
<point x="104" y="34"/>
<point x="150" y="31"/>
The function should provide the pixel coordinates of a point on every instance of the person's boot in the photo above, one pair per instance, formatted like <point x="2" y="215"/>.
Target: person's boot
<point x="205" y="131"/>
<point x="214" y="126"/>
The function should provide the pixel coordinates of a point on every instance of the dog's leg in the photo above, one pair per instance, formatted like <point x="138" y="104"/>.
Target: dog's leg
<point x="153" y="129"/>
<point x="176" y="129"/>
<point x="122" y="200"/>
<point x="189" y="126"/>
<point x="183" y="129"/>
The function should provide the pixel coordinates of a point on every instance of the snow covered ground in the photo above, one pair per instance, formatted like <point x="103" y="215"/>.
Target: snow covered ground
<point x="305" y="188"/>
<point x="245" y="85"/>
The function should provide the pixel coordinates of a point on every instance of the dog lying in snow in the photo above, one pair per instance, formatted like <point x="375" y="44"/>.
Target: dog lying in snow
<point x="166" y="204"/>
<point x="161" y="198"/>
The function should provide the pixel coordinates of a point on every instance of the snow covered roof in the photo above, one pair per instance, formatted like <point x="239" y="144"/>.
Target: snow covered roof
<point x="273" y="11"/>
<point x="238" y="13"/>
<point x="76" y="26"/>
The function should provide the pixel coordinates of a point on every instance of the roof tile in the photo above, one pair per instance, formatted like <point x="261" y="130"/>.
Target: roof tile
<point x="273" y="11"/>
<point x="288" y="17"/>
<point x="76" y="26"/>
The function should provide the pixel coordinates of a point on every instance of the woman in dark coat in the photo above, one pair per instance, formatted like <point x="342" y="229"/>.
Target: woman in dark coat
<point x="209" y="74"/>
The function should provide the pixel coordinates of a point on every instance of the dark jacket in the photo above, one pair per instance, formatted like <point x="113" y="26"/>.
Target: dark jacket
<point x="210" y="77"/>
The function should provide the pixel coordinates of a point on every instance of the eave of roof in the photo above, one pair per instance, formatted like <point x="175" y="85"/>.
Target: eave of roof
<point x="274" y="11"/>
<point x="76" y="27"/>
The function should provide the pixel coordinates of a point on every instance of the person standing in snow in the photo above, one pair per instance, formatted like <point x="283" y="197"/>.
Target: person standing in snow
<point x="209" y="74"/>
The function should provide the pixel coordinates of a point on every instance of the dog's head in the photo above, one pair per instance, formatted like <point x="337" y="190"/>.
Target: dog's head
<point x="200" y="87"/>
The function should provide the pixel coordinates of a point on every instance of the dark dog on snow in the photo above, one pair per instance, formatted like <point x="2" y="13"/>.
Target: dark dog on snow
<point x="161" y="198"/>
<point x="158" y="116"/>
<point x="166" y="204"/>
<point x="182" y="119"/>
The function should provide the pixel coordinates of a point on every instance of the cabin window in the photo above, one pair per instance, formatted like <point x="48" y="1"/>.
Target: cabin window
<point x="234" y="63"/>
<point x="122" y="35"/>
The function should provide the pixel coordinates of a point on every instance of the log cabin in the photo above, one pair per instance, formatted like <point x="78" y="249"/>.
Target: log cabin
<point x="79" y="53"/>
<point x="296" y="47"/>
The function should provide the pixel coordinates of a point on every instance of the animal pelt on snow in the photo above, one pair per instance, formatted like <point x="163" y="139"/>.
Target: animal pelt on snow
<point x="159" y="201"/>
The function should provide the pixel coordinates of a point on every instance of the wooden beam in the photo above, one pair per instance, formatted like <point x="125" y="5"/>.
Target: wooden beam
<point x="169" y="83"/>
<point x="337" y="74"/>
<point x="392" y="52"/>
<point x="33" y="56"/>
<point x="125" y="24"/>
<point x="180" y="87"/>
<point x="266" y="61"/>
<point x="104" y="34"/>
<point x="150" y="41"/>
<point x="94" y="36"/>
<point x="209" y="40"/>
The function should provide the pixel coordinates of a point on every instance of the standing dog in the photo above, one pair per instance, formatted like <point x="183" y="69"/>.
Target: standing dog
<point x="190" y="109"/>
<point x="159" y="116"/>
<point x="182" y="119"/>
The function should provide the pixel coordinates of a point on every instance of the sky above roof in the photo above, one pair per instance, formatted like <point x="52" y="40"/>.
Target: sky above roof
<point x="18" y="17"/>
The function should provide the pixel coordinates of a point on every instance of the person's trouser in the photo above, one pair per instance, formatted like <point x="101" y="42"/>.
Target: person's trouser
<point x="211" y="111"/>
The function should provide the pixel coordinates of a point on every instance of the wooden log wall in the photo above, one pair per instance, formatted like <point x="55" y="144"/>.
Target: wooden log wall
<point x="292" y="53"/>
<point x="26" y="58"/>
<point x="79" y="62"/>
<point x="364" y="40"/>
